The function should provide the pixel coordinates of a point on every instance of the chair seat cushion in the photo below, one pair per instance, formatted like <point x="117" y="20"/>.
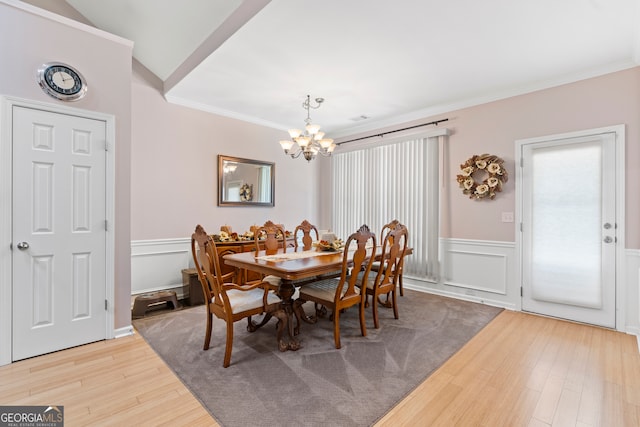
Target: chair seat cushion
<point x="249" y="300"/>
<point x="370" y="279"/>
<point x="323" y="289"/>
<point x="272" y="280"/>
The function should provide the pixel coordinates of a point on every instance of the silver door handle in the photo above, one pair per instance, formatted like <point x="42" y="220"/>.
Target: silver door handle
<point x="23" y="246"/>
<point x="608" y="239"/>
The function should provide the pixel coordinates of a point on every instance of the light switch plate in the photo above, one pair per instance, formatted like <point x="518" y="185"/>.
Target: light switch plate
<point x="507" y="216"/>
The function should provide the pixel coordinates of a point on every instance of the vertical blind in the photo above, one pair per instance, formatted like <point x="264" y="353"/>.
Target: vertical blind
<point x="374" y="186"/>
<point x="264" y="184"/>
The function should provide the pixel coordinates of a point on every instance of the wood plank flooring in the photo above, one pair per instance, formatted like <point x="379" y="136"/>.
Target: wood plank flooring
<point x="521" y="370"/>
<point x="527" y="370"/>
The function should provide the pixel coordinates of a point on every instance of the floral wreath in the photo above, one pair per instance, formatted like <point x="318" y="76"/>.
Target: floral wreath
<point x="246" y="192"/>
<point x="495" y="173"/>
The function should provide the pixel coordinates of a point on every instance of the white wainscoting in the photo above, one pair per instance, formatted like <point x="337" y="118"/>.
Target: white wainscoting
<point x="485" y="272"/>
<point x="632" y="296"/>
<point x="474" y="270"/>
<point x="157" y="264"/>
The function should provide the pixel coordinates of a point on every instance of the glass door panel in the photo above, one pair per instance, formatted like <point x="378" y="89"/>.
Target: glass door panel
<point x="568" y="264"/>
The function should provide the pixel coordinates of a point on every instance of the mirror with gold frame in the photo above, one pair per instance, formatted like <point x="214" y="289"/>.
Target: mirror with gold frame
<point x="245" y="182"/>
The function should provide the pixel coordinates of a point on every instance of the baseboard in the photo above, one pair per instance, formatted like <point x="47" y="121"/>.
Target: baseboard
<point x="470" y="298"/>
<point x="634" y="331"/>
<point x="123" y="332"/>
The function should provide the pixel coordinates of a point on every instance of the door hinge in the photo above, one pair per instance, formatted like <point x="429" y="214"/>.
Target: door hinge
<point x="106" y="305"/>
<point x="106" y="225"/>
<point x="521" y="294"/>
<point x="106" y="146"/>
<point x="521" y="162"/>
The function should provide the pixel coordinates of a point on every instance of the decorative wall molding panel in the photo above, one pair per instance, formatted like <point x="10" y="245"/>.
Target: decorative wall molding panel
<point x="157" y="264"/>
<point x="475" y="270"/>
<point x="482" y="271"/>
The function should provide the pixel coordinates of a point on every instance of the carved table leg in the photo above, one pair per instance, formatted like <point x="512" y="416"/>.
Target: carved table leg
<point x="285" y="314"/>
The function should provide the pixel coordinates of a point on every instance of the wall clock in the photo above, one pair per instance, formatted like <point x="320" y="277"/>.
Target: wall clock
<point x="62" y="81"/>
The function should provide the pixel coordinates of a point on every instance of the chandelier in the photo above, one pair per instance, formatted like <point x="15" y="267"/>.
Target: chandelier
<point x="311" y="141"/>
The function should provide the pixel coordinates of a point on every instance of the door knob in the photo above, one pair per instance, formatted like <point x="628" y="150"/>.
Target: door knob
<point x="608" y="239"/>
<point x="23" y="246"/>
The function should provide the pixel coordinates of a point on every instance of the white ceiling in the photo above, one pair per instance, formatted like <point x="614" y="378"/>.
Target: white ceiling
<point x="391" y="61"/>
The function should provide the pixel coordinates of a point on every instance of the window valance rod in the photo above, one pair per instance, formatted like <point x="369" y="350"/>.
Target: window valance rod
<point x="435" y="122"/>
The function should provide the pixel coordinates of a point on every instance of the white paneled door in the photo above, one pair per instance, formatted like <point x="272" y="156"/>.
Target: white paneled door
<point x="569" y="228"/>
<point x="59" y="231"/>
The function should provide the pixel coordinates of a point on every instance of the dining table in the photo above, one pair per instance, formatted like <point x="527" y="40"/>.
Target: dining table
<point x="294" y="267"/>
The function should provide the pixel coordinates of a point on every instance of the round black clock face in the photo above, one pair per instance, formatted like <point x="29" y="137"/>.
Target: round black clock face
<point x="62" y="81"/>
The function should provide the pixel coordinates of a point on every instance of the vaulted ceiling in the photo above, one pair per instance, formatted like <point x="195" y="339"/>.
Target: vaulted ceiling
<point x="375" y="62"/>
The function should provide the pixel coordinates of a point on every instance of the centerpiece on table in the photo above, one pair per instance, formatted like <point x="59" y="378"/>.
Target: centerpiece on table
<point x="326" y="245"/>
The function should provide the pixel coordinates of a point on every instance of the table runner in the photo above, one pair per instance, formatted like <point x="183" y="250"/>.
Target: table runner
<point x="294" y="255"/>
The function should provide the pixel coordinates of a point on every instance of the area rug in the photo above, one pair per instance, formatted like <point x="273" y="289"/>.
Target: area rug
<point x="317" y="385"/>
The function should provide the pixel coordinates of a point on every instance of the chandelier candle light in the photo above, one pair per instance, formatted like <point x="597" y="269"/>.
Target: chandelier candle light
<point x="311" y="141"/>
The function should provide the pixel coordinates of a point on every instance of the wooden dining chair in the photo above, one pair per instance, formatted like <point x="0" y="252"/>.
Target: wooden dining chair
<point x="271" y="238"/>
<point x="306" y="228"/>
<point x="385" y="280"/>
<point x="341" y="293"/>
<point x="224" y="299"/>
<point x="376" y="265"/>
<point x="309" y="231"/>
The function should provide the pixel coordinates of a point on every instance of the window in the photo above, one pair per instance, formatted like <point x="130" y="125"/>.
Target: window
<point x="398" y="180"/>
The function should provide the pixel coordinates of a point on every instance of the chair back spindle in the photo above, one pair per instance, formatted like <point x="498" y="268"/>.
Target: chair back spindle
<point x="306" y="228"/>
<point x="274" y="238"/>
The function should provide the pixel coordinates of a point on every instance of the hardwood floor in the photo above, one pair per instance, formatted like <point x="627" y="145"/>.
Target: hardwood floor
<point x="527" y="370"/>
<point x="521" y="370"/>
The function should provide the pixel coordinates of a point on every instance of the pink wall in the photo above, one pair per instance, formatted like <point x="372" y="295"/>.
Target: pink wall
<point x="28" y="41"/>
<point x="174" y="172"/>
<point x="494" y="127"/>
<point x="608" y="100"/>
